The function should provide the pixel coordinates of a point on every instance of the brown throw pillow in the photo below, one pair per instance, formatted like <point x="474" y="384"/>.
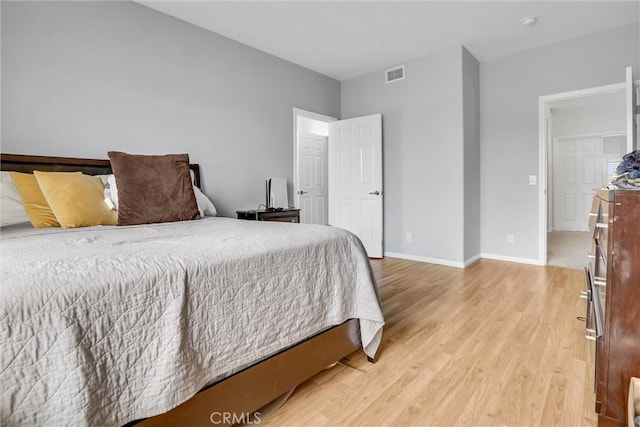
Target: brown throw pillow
<point x="153" y="189"/>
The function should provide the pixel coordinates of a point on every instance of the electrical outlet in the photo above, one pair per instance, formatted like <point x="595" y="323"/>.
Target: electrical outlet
<point x="510" y="238"/>
<point x="532" y="180"/>
<point x="409" y="237"/>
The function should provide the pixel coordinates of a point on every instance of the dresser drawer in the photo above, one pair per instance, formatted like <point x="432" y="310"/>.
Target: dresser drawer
<point x="599" y="264"/>
<point x="601" y="233"/>
<point x="590" y="320"/>
<point x="593" y="214"/>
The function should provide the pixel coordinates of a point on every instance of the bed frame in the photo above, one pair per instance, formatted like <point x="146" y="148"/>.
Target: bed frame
<point x="24" y="163"/>
<point x="250" y="389"/>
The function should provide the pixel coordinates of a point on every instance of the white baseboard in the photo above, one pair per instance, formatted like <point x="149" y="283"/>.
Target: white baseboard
<point x="511" y="259"/>
<point x="461" y="264"/>
<point x="425" y="259"/>
<point x="471" y="260"/>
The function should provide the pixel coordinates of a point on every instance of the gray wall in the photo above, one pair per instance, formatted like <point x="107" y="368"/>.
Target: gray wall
<point x="422" y="119"/>
<point x="82" y="78"/>
<point x="509" y="91"/>
<point x="471" y="111"/>
<point x="605" y="118"/>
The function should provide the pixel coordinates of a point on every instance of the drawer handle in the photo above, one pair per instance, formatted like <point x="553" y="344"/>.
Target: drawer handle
<point x="584" y="294"/>
<point x="593" y="214"/>
<point x="602" y="225"/>
<point x="591" y="256"/>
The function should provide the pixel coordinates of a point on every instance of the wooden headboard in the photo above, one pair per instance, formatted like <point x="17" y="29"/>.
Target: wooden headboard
<point x="26" y="163"/>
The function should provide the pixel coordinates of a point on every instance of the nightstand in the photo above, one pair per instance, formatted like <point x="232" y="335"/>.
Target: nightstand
<point x="286" y="215"/>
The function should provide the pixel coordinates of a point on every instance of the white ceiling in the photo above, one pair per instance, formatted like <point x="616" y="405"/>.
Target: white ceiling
<point x="347" y="39"/>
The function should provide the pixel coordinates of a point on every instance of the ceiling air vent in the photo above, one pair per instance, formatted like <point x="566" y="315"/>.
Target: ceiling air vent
<point x="395" y="73"/>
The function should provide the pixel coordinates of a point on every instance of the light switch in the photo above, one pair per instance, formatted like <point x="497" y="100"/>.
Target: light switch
<point x="532" y="180"/>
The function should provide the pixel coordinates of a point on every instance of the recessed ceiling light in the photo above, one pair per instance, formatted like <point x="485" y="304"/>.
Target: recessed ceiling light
<point x="529" y="21"/>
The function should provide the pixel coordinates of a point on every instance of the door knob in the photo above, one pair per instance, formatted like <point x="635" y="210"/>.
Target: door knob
<point x="376" y="193"/>
<point x="302" y="192"/>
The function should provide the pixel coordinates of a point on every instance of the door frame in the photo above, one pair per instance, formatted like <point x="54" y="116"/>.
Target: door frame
<point x="298" y="112"/>
<point x="544" y="110"/>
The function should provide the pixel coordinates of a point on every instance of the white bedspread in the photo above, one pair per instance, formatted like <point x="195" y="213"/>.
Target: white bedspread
<point x="105" y="325"/>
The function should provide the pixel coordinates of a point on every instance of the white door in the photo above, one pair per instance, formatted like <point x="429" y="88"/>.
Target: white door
<point x="312" y="179"/>
<point x="577" y="164"/>
<point x="355" y="179"/>
<point x="632" y="128"/>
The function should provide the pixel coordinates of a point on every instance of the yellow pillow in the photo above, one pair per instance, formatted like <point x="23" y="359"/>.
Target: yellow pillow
<point x="36" y="206"/>
<point x="77" y="200"/>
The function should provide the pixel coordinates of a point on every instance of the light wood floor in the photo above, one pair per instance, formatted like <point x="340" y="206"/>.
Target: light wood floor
<point x="497" y="343"/>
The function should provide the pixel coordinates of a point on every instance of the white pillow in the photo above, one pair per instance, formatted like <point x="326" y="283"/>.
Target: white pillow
<point x="205" y="206"/>
<point x="11" y="207"/>
<point x="111" y="191"/>
<point x="104" y="179"/>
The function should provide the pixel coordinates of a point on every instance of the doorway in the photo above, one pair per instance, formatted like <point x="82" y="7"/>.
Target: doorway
<point x="338" y="174"/>
<point x="585" y="138"/>
<point x="310" y="163"/>
<point x="355" y="180"/>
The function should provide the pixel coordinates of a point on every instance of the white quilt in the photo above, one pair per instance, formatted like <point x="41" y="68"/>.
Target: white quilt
<point x="105" y="325"/>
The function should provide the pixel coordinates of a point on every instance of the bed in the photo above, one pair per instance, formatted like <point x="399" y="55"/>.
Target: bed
<point x="167" y="324"/>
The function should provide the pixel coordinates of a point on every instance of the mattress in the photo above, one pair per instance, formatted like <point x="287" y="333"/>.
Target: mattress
<point x="105" y="325"/>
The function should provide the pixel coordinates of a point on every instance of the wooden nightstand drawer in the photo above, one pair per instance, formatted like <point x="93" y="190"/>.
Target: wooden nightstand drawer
<point x="287" y="215"/>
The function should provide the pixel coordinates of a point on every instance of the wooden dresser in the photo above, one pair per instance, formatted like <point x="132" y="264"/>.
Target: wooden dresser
<point x="613" y="300"/>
